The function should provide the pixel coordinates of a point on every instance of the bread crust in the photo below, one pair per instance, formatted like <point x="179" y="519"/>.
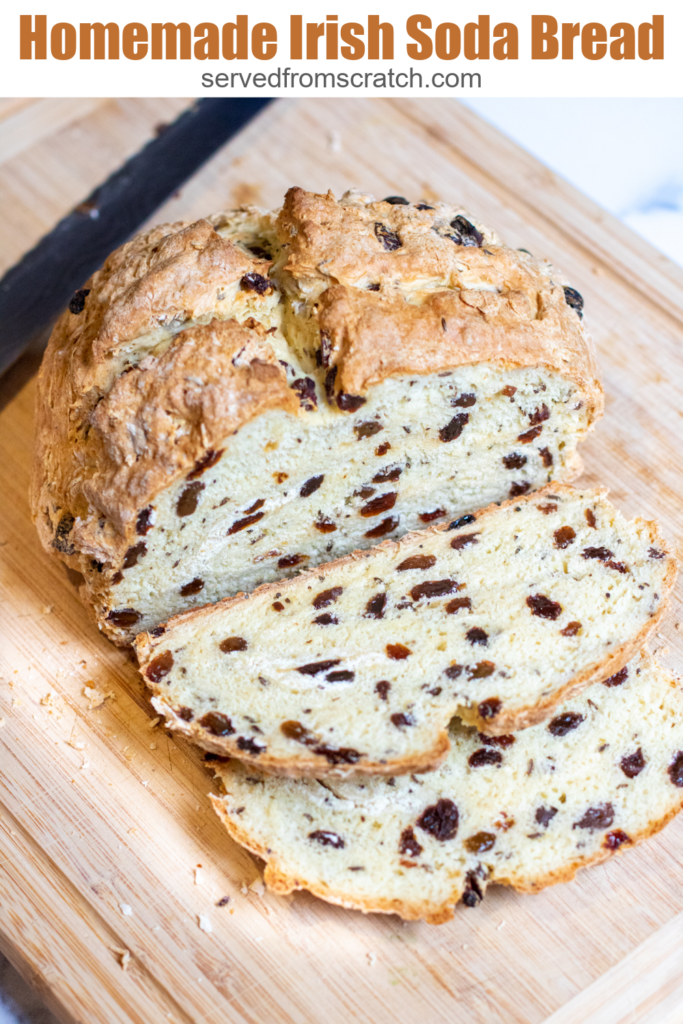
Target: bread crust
<point x="504" y="722"/>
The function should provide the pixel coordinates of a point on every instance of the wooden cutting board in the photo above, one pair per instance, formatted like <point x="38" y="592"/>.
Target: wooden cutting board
<point x="109" y="850"/>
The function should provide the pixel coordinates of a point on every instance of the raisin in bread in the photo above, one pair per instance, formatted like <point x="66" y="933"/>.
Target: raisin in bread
<point x="359" y="665"/>
<point x="525" y="810"/>
<point x="228" y="401"/>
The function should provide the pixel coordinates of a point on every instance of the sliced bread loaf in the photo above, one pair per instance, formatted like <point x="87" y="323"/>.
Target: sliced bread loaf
<point x="524" y="810"/>
<point x="229" y="401"/>
<point x="359" y="665"/>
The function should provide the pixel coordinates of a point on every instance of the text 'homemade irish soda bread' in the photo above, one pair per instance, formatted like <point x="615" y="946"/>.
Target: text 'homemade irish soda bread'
<point x="359" y="666"/>
<point x="525" y="810"/>
<point x="229" y="401"/>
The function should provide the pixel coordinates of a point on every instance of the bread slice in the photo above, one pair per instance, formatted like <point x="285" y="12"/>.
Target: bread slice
<point x="359" y="665"/>
<point x="229" y="401"/>
<point x="526" y="810"/>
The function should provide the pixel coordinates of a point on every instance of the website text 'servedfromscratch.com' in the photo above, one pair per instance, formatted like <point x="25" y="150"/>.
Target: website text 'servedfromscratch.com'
<point x="285" y="78"/>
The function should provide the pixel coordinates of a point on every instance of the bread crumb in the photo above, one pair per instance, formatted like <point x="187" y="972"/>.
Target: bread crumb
<point x="47" y="609"/>
<point x="76" y="744"/>
<point x="257" y="887"/>
<point x="334" y="143"/>
<point x="198" y="876"/>
<point x="123" y="956"/>
<point x="146" y="783"/>
<point x="244" y="890"/>
<point x="371" y="959"/>
<point x="154" y="722"/>
<point x="205" y="923"/>
<point x="96" y="697"/>
<point x="152" y="746"/>
<point x="2" y="723"/>
<point x="501" y="925"/>
<point x="126" y="909"/>
<point x="47" y="699"/>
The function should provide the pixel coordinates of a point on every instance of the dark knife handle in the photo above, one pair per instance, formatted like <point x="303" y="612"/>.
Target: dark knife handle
<point x="36" y="290"/>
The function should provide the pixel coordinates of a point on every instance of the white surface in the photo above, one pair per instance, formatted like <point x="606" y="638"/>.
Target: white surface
<point x="626" y="154"/>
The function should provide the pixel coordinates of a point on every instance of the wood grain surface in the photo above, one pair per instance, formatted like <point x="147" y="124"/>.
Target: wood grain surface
<point x="104" y="819"/>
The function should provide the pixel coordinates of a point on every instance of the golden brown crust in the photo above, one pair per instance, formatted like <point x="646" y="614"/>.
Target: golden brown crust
<point x="282" y="882"/>
<point x="439" y="305"/>
<point x="106" y="443"/>
<point x="505" y="722"/>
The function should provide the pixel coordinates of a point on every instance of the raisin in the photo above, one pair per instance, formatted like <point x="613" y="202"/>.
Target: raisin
<point x="477" y="636"/>
<point x="602" y="554"/>
<point x="296" y="731"/>
<point x="249" y="745"/>
<point x="327" y="597"/>
<point x="600" y="816"/>
<point x="338" y="755"/>
<point x="233" y="643"/>
<point x="633" y="764"/>
<point x="571" y="629"/>
<point x="344" y="676"/>
<point x="433" y="588"/>
<point x="454" y="427"/>
<point x="509" y="392"/>
<point x="417" y="562"/>
<point x="675" y="770"/>
<point x="655" y="553"/>
<point x="330" y="378"/>
<point x="615" y="839"/>
<point x="325" y="525"/>
<point x="64" y="528"/>
<point x="124" y="617"/>
<point x="77" y="301"/>
<point x="396" y="201"/>
<point x="325" y="351"/>
<point x="464" y="401"/>
<point x="388" y="473"/>
<point x="458" y="543"/>
<point x="590" y="518"/>
<point x="259" y="503"/>
<point x="242" y="524"/>
<point x="483" y="756"/>
<point x="116" y="578"/>
<point x="187" y="502"/>
<point x="208" y="459"/>
<point x="259" y="252"/>
<point x="397" y="652"/>
<point x="382" y="688"/>
<point x="289" y="561"/>
<point x="160" y="666"/>
<point x="544" y="815"/>
<point x="543" y="607"/>
<point x="453" y="671"/>
<point x="374" y="609"/>
<point x="617" y="566"/>
<point x="388" y="238"/>
<point x="387" y="525"/>
<point x="473" y="893"/>
<point x="459" y="602"/>
<point x="315" y="667"/>
<point x="187" y="714"/>
<point x="217" y="723"/>
<point x="482" y="670"/>
<point x="618" y="678"/>
<point x="547" y="509"/>
<point x="192" y="588"/>
<point x="383" y="503"/>
<point x="440" y="820"/>
<point x="305" y="390"/>
<point x="144" y="521"/>
<point x="546" y="457"/>
<point x="400" y="719"/>
<point x="529" y="435"/>
<point x="429" y="517"/>
<point x="364" y="492"/>
<point x="311" y="485"/>
<point x="574" y="299"/>
<point x="564" y="537"/>
<point x="350" y="403"/>
<point x="458" y="524"/>
<point x="496" y="741"/>
<point x="133" y="554"/>
<point x="382" y="449"/>
<point x="466" y="233"/>
<point x="480" y="842"/>
<point x="326" y="620"/>
<point x="278" y="606"/>
<point x="517" y="489"/>
<point x="408" y="843"/>
<point x="256" y="283"/>
<point x="514" y="461"/>
<point x="435" y="691"/>
<point x="327" y="839"/>
<point x="423" y="206"/>
<point x="539" y="415"/>
<point x="157" y="631"/>
<point x="368" y="429"/>
<point x="373" y="287"/>
<point x="489" y="708"/>
<point x="564" y="723"/>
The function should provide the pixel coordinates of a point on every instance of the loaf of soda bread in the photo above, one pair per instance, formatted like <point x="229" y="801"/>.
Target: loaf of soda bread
<point x="359" y="665"/>
<point x="229" y="401"/>
<point x="524" y="810"/>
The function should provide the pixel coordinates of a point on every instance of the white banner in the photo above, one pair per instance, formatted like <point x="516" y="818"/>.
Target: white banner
<point x="207" y="48"/>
